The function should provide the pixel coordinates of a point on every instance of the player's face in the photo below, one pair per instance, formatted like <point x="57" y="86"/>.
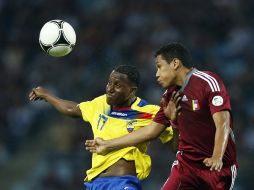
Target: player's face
<point x="118" y="90"/>
<point x="166" y="74"/>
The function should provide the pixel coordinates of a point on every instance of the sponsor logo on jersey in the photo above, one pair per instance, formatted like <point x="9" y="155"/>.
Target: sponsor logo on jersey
<point x="131" y="125"/>
<point x="118" y="113"/>
<point x="217" y="101"/>
<point x="195" y="105"/>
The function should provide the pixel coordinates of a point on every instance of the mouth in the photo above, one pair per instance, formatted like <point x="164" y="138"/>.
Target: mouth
<point x="110" y="99"/>
<point x="159" y="82"/>
<point x="109" y="95"/>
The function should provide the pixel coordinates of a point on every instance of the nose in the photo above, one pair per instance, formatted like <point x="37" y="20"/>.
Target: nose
<point x="157" y="74"/>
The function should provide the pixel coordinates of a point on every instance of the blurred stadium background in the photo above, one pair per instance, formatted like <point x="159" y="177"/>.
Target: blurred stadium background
<point x="43" y="150"/>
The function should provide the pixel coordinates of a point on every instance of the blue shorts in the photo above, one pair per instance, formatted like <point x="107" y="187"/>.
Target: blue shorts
<point x="126" y="182"/>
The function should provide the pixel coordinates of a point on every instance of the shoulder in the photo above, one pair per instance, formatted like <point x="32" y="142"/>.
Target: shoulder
<point x="99" y="99"/>
<point x="206" y="75"/>
<point x="207" y="79"/>
<point x="143" y="105"/>
<point x="96" y="105"/>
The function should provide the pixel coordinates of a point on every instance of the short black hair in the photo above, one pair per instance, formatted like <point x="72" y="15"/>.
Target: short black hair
<point x="131" y="72"/>
<point x="175" y="50"/>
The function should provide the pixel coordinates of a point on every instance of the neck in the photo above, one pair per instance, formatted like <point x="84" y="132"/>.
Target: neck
<point x="127" y="103"/>
<point x="182" y="76"/>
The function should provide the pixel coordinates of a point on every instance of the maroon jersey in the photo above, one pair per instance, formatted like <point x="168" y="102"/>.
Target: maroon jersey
<point x="203" y="94"/>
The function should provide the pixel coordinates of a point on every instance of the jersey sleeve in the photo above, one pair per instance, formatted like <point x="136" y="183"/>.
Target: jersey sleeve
<point x="89" y="108"/>
<point x="86" y="109"/>
<point x="218" y="98"/>
<point x="166" y="135"/>
<point x="161" y="118"/>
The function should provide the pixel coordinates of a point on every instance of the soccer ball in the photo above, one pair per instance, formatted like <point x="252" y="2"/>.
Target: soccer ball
<point x="57" y="38"/>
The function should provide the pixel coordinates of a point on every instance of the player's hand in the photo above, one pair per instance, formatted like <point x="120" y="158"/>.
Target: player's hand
<point x="38" y="93"/>
<point x="172" y="109"/>
<point x="97" y="145"/>
<point x="214" y="163"/>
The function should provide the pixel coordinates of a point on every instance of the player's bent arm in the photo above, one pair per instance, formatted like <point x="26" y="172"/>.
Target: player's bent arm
<point x="144" y="134"/>
<point x="222" y="123"/>
<point x="66" y="107"/>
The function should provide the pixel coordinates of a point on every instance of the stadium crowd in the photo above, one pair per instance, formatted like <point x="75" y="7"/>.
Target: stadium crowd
<point x="47" y="148"/>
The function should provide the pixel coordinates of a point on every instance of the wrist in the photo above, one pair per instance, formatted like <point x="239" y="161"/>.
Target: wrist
<point x="46" y="97"/>
<point x="109" y="145"/>
<point x="217" y="156"/>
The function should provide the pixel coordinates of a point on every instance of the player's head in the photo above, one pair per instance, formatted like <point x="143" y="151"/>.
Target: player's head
<point x="122" y="85"/>
<point x="170" y="61"/>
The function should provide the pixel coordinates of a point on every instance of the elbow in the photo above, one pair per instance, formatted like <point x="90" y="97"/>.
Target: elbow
<point x="153" y="131"/>
<point x="70" y="112"/>
<point x="150" y="136"/>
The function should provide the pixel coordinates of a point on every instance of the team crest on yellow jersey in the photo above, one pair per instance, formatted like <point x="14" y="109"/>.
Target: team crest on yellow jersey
<point x="131" y="125"/>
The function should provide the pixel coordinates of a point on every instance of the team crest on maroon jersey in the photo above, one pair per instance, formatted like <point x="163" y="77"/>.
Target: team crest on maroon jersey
<point x="131" y="125"/>
<point x="195" y="105"/>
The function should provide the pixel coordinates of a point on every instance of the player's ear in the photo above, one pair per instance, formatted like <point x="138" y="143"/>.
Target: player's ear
<point x="176" y="63"/>
<point x="134" y="90"/>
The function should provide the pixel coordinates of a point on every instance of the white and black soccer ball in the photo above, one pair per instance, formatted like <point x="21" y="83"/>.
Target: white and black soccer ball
<point x="57" y="38"/>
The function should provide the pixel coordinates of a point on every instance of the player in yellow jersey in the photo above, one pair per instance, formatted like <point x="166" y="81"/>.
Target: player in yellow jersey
<point x="113" y="115"/>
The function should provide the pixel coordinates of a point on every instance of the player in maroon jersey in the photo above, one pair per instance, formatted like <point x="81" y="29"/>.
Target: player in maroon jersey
<point x="197" y="104"/>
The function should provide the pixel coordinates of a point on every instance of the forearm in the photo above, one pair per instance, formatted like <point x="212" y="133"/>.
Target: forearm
<point x="144" y="134"/>
<point x="63" y="106"/>
<point x="221" y="140"/>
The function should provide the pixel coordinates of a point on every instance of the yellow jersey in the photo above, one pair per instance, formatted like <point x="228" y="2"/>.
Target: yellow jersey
<point x="109" y="122"/>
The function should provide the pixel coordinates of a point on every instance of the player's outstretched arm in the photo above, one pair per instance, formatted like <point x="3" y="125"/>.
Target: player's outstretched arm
<point x="144" y="134"/>
<point x="64" y="106"/>
<point x="222" y="123"/>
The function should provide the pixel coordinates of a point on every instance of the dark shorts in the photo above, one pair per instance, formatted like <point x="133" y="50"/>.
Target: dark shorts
<point x="127" y="182"/>
<point x="184" y="176"/>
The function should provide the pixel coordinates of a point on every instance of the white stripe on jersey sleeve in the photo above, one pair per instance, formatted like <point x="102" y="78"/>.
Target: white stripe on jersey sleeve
<point x="213" y="80"/>
<point x="207" y="80"/>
